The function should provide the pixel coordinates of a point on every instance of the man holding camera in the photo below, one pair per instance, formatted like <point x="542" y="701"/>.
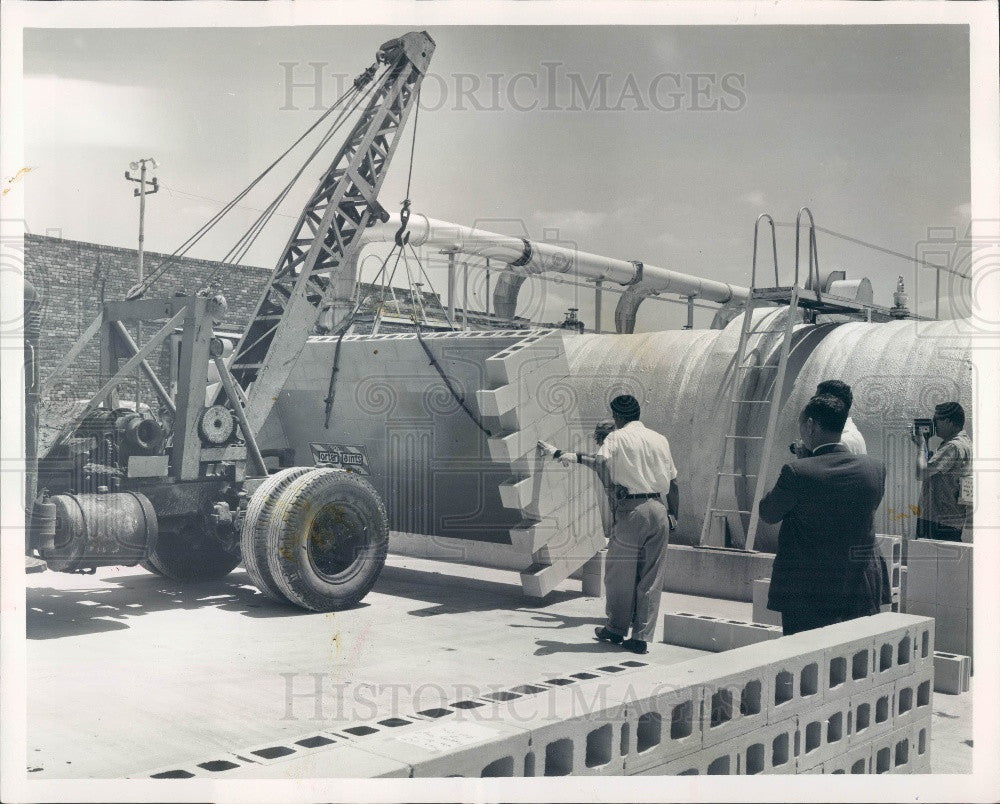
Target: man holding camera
<point x="827" y="568"/>
<point x="943" y="506"/>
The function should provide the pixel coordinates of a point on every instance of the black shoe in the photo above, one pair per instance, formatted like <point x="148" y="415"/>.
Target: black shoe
<point x="605" y="635"/>
<point x="635" y="645"/>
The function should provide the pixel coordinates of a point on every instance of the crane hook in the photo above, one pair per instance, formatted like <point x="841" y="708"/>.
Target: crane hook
<point x="404" y="218"/>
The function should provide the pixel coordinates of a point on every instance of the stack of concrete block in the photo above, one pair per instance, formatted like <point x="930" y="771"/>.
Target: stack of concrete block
<point x="528" y="399"/>
<point x="939" y="585"/>
<point x="705" y="632"/>
<point x="891" y="548"/>
<point x="761" y="613"/>
<point x="853" y="697"/>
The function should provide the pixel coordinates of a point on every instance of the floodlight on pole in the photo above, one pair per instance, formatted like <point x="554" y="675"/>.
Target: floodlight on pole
<point x="146" y="187"/>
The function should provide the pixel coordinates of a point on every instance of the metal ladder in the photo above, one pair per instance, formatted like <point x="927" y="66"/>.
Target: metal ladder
<point x="718" y="519"/>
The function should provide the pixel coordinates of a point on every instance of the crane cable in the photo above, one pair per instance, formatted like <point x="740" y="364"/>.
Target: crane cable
<point x="139" y="289"/>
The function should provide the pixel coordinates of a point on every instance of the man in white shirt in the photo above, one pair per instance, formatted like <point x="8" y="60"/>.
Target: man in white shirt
<point x="638" y="460"/>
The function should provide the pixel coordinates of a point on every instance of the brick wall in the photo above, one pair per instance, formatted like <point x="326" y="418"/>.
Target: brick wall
<point x="74" y="277"/>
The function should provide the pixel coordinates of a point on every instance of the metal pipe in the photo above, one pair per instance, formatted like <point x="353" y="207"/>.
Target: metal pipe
<point x="597" y="305"/>
<point x="526" y="257"/>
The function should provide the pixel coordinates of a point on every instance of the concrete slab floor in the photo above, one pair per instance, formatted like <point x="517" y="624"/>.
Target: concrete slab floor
<point x="130" y="672"/>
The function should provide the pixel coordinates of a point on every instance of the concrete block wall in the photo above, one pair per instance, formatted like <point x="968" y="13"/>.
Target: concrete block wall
<point x="705" y="632"/>
<point x="759" y="709"/>
<point x="891" y="548"/>
<point x="939" y="585"/>
<point x="524" y="403"/>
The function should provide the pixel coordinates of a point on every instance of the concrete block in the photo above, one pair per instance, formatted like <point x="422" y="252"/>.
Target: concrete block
<point x="665" y="719"/>
<point x="509" y="449"/>
<point x="893" y="657"/>
<point x="539" y="494"/>
<point x="513" y="407"/>
<point x="891" y="548"/>
<point x="715" y="571"/>
<point x="743" y="633"/>
<point x="872" y="713"/>
<point x="719" y="760"/>
<point x="531" y="536"/>
<point x="540" y="579"/>
<point x="796" y="683"/>
<point x="856" y="760"/>
<point x="769" y="750"/>
<point x="903" y="750"/>
<point x="954" y="575"/>
<point x="922" y="742"/>
<point x="903" y="572"/>
<point x="457" y="748"/>
<point x="923" y="641"/>
<point x="824" y="732"/>
<point x="921" y="570"/>
<point x="849" y="668"/>
<point x="913" y="698"/>
<point x="593" y="575"/>
<point x="699" y="631"/>
<point x="732" y="704"/>
<point x="537" y="352"/>
<point x="951" y="629"/>
<point x="339" y="761"/>
<point x="951" y="673"/>
<point x="761" y="613"/>
<point x="574" y="541"/>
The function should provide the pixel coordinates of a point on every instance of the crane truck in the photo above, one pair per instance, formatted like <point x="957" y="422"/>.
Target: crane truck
<point x="186" y="492"/>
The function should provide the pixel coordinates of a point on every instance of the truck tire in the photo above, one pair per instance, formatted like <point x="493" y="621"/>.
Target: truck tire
<point x="327" y="539"/>
<point x="188" y="555"/>
<point x="253" y="536"/>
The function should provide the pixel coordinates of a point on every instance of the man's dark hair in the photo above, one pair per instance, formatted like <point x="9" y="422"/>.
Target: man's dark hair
<point x="828" y="411"/>
<point x="951" y="412"/>
<point x="837" y="388"/>
<point x="625" y="407"/>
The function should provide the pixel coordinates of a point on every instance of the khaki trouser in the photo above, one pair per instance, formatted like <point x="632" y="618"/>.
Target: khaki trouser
<point x="635" y="566"/>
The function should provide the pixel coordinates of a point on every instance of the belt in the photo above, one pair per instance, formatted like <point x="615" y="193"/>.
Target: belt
<point x="650" y="496"/>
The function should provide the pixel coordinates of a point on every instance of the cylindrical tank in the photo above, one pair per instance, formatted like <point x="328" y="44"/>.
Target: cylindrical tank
<point x="101" y="530"/>
<point x="898" y="371"/>
<point x="32" y="336"/>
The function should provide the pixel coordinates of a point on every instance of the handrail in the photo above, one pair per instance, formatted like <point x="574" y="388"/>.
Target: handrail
<point x="813" y="255"/>
<point x="774" y="250"/>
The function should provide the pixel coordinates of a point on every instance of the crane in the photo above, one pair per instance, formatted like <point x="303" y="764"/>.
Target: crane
<point x="187" y="493"/>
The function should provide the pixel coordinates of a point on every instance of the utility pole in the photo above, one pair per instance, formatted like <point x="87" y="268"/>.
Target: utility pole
<point x="141" y="192"/>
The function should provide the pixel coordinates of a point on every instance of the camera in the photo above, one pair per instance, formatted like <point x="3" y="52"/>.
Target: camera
<point x="922" y="427"/>
<point x="791" y="449"/>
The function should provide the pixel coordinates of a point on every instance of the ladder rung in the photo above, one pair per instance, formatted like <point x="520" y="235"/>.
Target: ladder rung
<point x="747" y="438"/>
<point x="729" y="511"/>
<point x="734" y="474"/>
<point x="753" y="401"/>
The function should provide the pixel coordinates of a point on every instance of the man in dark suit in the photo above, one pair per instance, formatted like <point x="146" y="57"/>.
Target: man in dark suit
<point x="827" y="567"/>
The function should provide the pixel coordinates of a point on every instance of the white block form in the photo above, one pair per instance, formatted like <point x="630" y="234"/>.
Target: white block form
<point x="512" y="407"/>
<point x="529" y="355"/>
<point x="761" y="613"/>
<point x="509" y="449"/>
<point x="951" y="673"/>
<point x="665" y="721"/>
<point x="796" y="683"/>
<point x="540" y="494"/>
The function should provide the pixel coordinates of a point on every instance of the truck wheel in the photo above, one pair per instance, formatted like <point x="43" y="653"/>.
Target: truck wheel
<point x="188" y="554"/>
<point x="327" y="539"/>
<point x="253" y="537"/>
<point x="149" y="566"/>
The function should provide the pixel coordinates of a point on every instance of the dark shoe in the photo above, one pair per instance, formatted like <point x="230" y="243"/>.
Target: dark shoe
<point x="605" y="635"/>
<point x="635" y="645"/>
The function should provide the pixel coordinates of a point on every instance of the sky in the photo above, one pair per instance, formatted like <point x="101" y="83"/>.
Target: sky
<point x="696" y="132"/>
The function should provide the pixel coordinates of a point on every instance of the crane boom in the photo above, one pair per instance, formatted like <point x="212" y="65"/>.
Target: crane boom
<point x="327" y="234"/>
